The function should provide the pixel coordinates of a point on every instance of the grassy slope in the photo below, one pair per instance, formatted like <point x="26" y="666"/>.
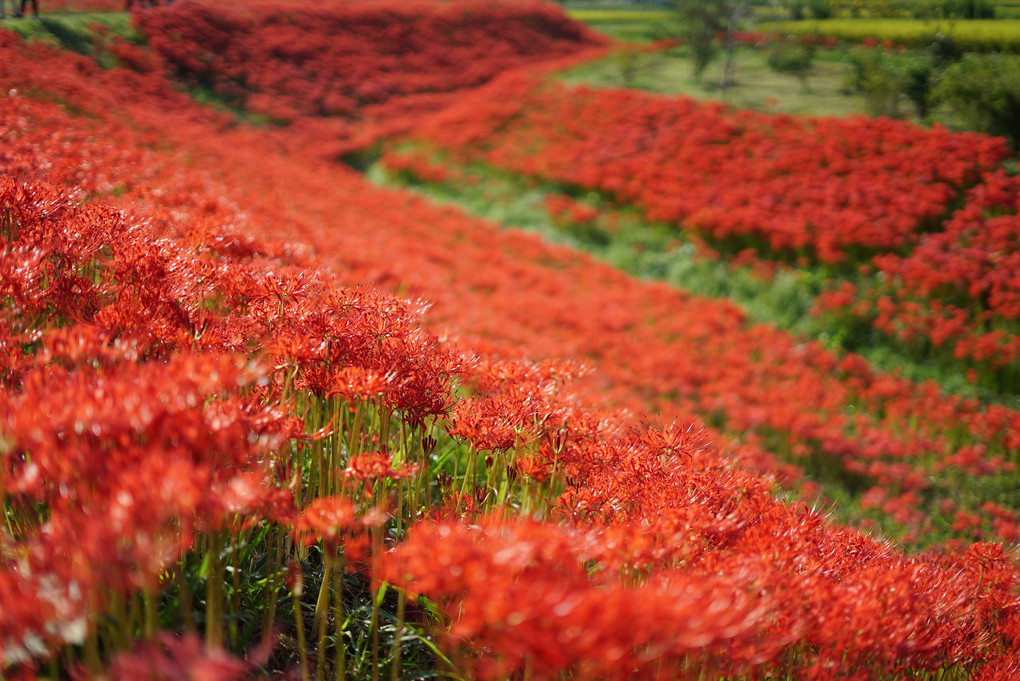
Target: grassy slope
<point x="670" y="71"/>
<point x="85" y="33"/>
<point x="757" y="86"/>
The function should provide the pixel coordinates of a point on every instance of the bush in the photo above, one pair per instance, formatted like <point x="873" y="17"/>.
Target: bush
<point x="701" y="22"/>
<point x="983" y="91"/>
<point x="801" y="9"/>
<point x="795" y="8"/>
<point x="885" y="78"/>
<point x="874" y="75"/>
<point x="792" y="57"/>
<point x="820" y="9"/>
<point x="969" y="9"/>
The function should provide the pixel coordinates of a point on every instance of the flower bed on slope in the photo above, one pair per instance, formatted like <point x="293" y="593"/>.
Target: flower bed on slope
<point x="352" y="59"/>
<point x="958" y="290"/>
<point x="824" y="189"/>
<point x="872" y="201"/>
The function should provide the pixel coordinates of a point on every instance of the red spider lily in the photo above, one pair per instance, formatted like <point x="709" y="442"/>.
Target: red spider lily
<point x="520" y="593"/>
<point x="326" y="520"/>
<point x="675" y="439"/>
<point x="173" y="659"/>
<point x="805" y="403"/>
<point x="360" y="383"/>
<point x="1003" y="668"/>
<point x="375" y="466"/>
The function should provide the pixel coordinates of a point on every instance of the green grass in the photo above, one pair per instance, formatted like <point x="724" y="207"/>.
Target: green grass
<point x="628" y="23"/>
<point x="74" y="32"/>
<point x="758" y="87"/>
<point x="635" y="26"/>
<point x="28" y="28"/>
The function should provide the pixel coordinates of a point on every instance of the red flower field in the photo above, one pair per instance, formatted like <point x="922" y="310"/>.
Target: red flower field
<point x="263" y="419"/>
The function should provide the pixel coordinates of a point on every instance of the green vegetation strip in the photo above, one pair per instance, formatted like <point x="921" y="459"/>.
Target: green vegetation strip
<point x="629" y="25"/>
<point x="1000" y="35"/>
<point x="621" y="15"/>
<point x="822" y="91"/>
<point x="76" y="32"/>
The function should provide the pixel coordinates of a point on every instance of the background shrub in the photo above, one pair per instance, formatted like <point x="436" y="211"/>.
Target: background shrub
<point x="983" y="91"/>
<point x="792" y="57"/>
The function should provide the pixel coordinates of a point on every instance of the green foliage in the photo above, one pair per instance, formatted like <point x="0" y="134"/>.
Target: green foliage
<point x="759" y="86"/>
<point x="984" y="92"/>
<point x="808" y="9"/>
<point x="627" y="61"/>
<point x="796" y="9"/>
<point x="619" y="15"/>
<point x="72" y="35"/>
<point x="820" y="9"/>
<point x="918" y="77"/>
<point x="29" y="29"/>
<point x="886" y="78"/>
<point x="792" y="57"/>
<point x="701" y="21"/>
<point x="631" y="25"/>
<point x="972" y="9"/>
<point x="876" y="76"/>
<point x="85" y="34"/>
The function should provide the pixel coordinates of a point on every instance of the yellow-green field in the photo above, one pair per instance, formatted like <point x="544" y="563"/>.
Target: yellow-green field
<point x="620" y="15"/>
<point x="631" y="25"/>
<point x="998" y="35"/>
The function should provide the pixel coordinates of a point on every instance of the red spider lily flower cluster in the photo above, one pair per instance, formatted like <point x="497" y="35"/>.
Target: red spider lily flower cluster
<point x="549" y="614"/>
<point x="387" y="63"/>
<point x="956" y="284"/>
<point x="127" y="439"/>
<point x="131" y="412"/>
<point x="325" y="520"/>
<point x="722" y="580"/>
<point x="821" y="187"/>
<point x="513" y="405"/>
<point x="376" y="465"/>
<point x="666" y="559"/>
<point x="173" y="659"/>
<point x="566" y="211"/>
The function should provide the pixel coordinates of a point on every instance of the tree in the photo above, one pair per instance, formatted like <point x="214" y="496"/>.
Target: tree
<point x="793" y="57"/>
<point x="701" y="21"/>
<point x="737" y="12"/>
